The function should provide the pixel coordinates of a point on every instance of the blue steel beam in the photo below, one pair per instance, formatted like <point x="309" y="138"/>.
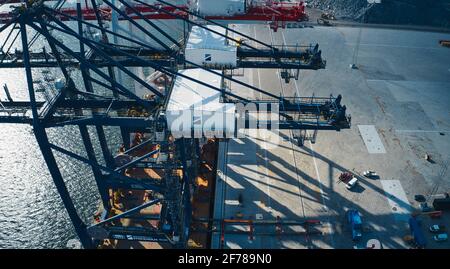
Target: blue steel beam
<point x="277" y="65"/>
<point x="50" y="106"/>
<point x="128" y="122"/>
<point x="9" y="47"/>
<point x="102" y="84"/>
<point x="56" y="54"/>
<point x="138" y="146"/>
<point x="87" y="94"/>
<point x="287" y="52"/>
<point x="149" y="63"/>
<point x="88" y="85"/>
<point x="136" y="184"/>
<point x="185" y="193"/>
<point x="125" y="133"/>
<point x="204" y="27"/>
<point x="84" y="71"/>
<point x="111" y="73"/>
<point x="215" y="23"/>
<point x="16" y="119"/>
<point x="42" y="139"/>
<point x="298" y="125"/>
<point x="143" y="123"/>
<point x="112" y="173"/>
<point x="136" y="161"/>
<point x="175" y="73"/>
<point x="93" y="67"/>
<point x="127" y="213"/>
<point x="273" y="51"/>
<point x="137" y="42"/>
<point x="100" y="52"/>
<point x="150" y="23"/>
<point x="107" y="156"/>
<point x="166" y="70"/>
<point x="99" y="179"/>
<point x="9" y="23"/>
<point x="258" y="64"/>
<point x="143" y="217"/>
<point x="261" y="64"/>
<point x="136" y="233"/>
<point x="140" y="27"/>
<point x="5" y="26"/>
<point x="154" y="165"/>
<point x="304" y="103"/>
<point x="78" y="103"/>
<point x="7" y="37"/>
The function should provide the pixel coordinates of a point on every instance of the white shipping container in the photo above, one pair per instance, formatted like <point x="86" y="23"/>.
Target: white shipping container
<point x="207" y="48"/>
<point x="198" y="107"/>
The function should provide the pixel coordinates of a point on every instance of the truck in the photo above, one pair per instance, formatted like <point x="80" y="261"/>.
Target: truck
<point x="352" y="183"/>
<point x="441" y="203"/>
<point x="354" y="219"/>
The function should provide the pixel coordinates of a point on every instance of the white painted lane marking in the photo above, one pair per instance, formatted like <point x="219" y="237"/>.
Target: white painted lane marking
<point x="251" y="77"/>
<point x="420" y="131"/>
<point x="266" y="172"/>
<point x="259" y="80"/>
<point x="264" y="147"/>
<point x="371" y="139"/>
<point x="392" y="46"/>
<point x="398" y="202"/>
<point x="235" y="154"/>
<point x="408" y="81"/>
<point x="232" y="202"/>
<point x="318" y="175"/>
<point x="264" y="144"/>
<point x="235" y="168"/>
<point x="257" y="70"/>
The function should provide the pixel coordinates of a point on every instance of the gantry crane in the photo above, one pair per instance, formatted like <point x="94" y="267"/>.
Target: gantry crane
<point x="102" y="100"/>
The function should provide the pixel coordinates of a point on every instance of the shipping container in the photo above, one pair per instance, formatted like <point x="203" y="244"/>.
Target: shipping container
<point x="208" y="48"/>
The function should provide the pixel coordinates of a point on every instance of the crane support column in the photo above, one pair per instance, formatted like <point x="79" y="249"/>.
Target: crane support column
<point x="44" y="145"/>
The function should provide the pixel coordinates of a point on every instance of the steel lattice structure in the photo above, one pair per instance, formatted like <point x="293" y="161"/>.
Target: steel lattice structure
<point x="83" y="105"/>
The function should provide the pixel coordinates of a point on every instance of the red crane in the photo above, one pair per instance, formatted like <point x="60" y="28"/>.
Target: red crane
<point x="274" y="12"/>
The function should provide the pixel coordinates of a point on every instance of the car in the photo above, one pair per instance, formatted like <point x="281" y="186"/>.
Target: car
<point x="437" y="228"/>
<point x="354" y="219"/>
<point x="440" y="237"/>
<point x="352" y="183"/>
<point x="420" y="198"/>
<point x="324" y="22"/>
<point x="370" y="174"/>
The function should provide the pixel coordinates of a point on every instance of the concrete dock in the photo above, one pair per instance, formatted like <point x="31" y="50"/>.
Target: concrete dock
<point x="399" y="100"/>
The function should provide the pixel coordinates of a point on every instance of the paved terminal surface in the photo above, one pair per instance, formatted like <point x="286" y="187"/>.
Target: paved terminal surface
<point x="399" y="102"/>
